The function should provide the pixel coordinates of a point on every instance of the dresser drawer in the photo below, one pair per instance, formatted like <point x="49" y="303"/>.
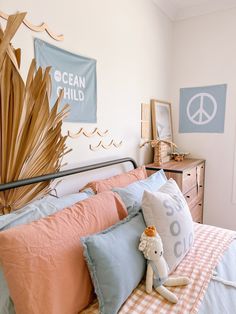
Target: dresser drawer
<point x="150" y="172"/>
<point x="200" y="174"/>
<point x="200" y="192"/>
<point x="189" y="179"/>
<point x="196" y="212"/>
<point x="192" y="196"/>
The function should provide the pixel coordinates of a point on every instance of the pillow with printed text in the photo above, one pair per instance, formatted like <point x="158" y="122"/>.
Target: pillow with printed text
<point x="168" y="211"/>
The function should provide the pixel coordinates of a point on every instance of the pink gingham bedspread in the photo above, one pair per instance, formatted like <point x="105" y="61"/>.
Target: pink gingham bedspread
<point x="209" y="246"/>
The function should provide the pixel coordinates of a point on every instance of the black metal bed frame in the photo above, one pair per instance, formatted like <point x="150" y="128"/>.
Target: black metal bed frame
<point x="52" y="176"/>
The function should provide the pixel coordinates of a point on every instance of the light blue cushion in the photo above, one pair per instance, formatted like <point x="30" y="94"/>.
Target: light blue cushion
<point x="46" y="206"/>
<point x="6" y="304"/>
<point x="115" y="263"/>
<point x="132" y="194"/>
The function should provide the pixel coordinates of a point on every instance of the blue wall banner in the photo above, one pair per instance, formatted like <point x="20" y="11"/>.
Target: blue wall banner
<point x="76" y="75"/>
<point x="202" y="109"/>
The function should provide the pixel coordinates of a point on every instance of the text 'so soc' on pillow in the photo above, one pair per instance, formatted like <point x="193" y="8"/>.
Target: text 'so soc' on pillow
<point x="115" y="263"/>
<point x="43" y="261"/>
<point x="168" y="211"/>
<point x="132" y="194"/>
<point x="119" y="180"/>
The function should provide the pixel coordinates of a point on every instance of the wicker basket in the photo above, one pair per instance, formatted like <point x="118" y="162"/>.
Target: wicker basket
<point x="161" y="151"/>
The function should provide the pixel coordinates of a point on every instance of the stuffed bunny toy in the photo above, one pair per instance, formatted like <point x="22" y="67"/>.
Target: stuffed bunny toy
<point x="157" y="268"/>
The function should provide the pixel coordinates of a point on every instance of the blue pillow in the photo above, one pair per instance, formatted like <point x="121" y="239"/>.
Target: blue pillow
<point x="115" y="263"/>
<point x="46" y="206"/>
<point x="132" y="194"/>
<point x="6" y="304"/>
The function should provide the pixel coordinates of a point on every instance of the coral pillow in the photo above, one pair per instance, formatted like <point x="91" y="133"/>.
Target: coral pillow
<point x="43" y="261"/>
<point x="119" y="180"/>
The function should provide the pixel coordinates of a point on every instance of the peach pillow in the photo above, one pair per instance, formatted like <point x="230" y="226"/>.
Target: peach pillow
<point x="43" y="261"/>
<point x="119" y="181"/>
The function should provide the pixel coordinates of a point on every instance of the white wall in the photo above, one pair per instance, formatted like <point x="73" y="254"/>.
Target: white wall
<point x="131" y="40"/>
<point x="204" y="53"/>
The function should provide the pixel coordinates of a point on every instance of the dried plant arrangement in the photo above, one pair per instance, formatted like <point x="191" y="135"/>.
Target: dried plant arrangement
<point x="31" y="143"/>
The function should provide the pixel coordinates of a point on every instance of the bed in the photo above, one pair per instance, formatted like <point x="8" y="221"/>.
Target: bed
<point x="209" y="262"/>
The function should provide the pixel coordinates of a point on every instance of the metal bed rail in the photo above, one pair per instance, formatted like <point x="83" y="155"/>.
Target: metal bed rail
<point x="60" y="174"/>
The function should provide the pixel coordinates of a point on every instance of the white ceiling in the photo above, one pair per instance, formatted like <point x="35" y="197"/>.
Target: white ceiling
<point x="183" y="9"/>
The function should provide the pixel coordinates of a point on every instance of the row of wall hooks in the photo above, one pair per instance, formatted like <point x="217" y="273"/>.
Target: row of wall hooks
<point x="82" y="131"/>
<point x="36" y="28"/>
<point x="95" y="132"/>
<point x="105" y="146"/>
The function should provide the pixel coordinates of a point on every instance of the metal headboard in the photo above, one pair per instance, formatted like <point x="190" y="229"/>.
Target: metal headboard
<point x="52" y="176"/>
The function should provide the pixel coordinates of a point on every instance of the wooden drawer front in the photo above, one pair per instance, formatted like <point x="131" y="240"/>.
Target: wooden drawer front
<point x="175" y="176"/>
<point x="189" y="179"/>
<point x="150" y="172"/>
<point x="196" y="212"/>
<point x="200" y="192"/>
<point x="191" y="196"/>
<point x="200" y="174"/>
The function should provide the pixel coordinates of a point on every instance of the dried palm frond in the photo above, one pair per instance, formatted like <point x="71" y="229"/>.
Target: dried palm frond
<point x="31" y="143"/>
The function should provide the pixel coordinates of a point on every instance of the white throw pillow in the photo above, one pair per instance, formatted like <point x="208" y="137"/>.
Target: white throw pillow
<point x="168" y="211"/>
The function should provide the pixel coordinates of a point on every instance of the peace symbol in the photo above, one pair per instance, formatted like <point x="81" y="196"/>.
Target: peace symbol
<point x="201" y="116"/>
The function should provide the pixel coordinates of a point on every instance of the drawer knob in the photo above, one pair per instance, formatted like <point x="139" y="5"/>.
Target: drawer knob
<point x="200" y="186"/>
<point x="200" y="204"/>
<point x="188" y="174"/>
<point x="188" y="196"/>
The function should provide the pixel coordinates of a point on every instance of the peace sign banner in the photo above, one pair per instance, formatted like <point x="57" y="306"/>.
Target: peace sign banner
<point x="75" y="75"/>
<point x="202" y="109"/>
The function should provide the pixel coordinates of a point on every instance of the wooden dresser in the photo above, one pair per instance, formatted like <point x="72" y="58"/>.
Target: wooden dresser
<point x="189" y="175"/>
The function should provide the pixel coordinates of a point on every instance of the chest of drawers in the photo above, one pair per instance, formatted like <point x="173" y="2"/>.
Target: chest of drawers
<point x="189" y="175"/>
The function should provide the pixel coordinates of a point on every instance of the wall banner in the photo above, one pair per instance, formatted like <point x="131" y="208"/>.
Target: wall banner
<point x="76" y="75"/>
<point x="202" y="109"/>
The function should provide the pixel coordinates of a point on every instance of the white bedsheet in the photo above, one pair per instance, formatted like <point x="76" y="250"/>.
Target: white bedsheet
<point x="221" y="298"/>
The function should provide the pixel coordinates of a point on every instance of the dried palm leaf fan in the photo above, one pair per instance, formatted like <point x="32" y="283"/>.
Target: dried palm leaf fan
<point x="31" y="143"/>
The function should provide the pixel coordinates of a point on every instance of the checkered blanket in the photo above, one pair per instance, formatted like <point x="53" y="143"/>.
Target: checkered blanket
<point x="209" y="246"/>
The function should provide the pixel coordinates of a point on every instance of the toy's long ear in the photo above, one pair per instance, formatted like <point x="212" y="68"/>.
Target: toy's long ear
<point x="142" y="245"/>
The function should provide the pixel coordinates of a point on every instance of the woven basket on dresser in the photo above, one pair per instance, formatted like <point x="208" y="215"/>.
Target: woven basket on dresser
<point x="160" y="151"/>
